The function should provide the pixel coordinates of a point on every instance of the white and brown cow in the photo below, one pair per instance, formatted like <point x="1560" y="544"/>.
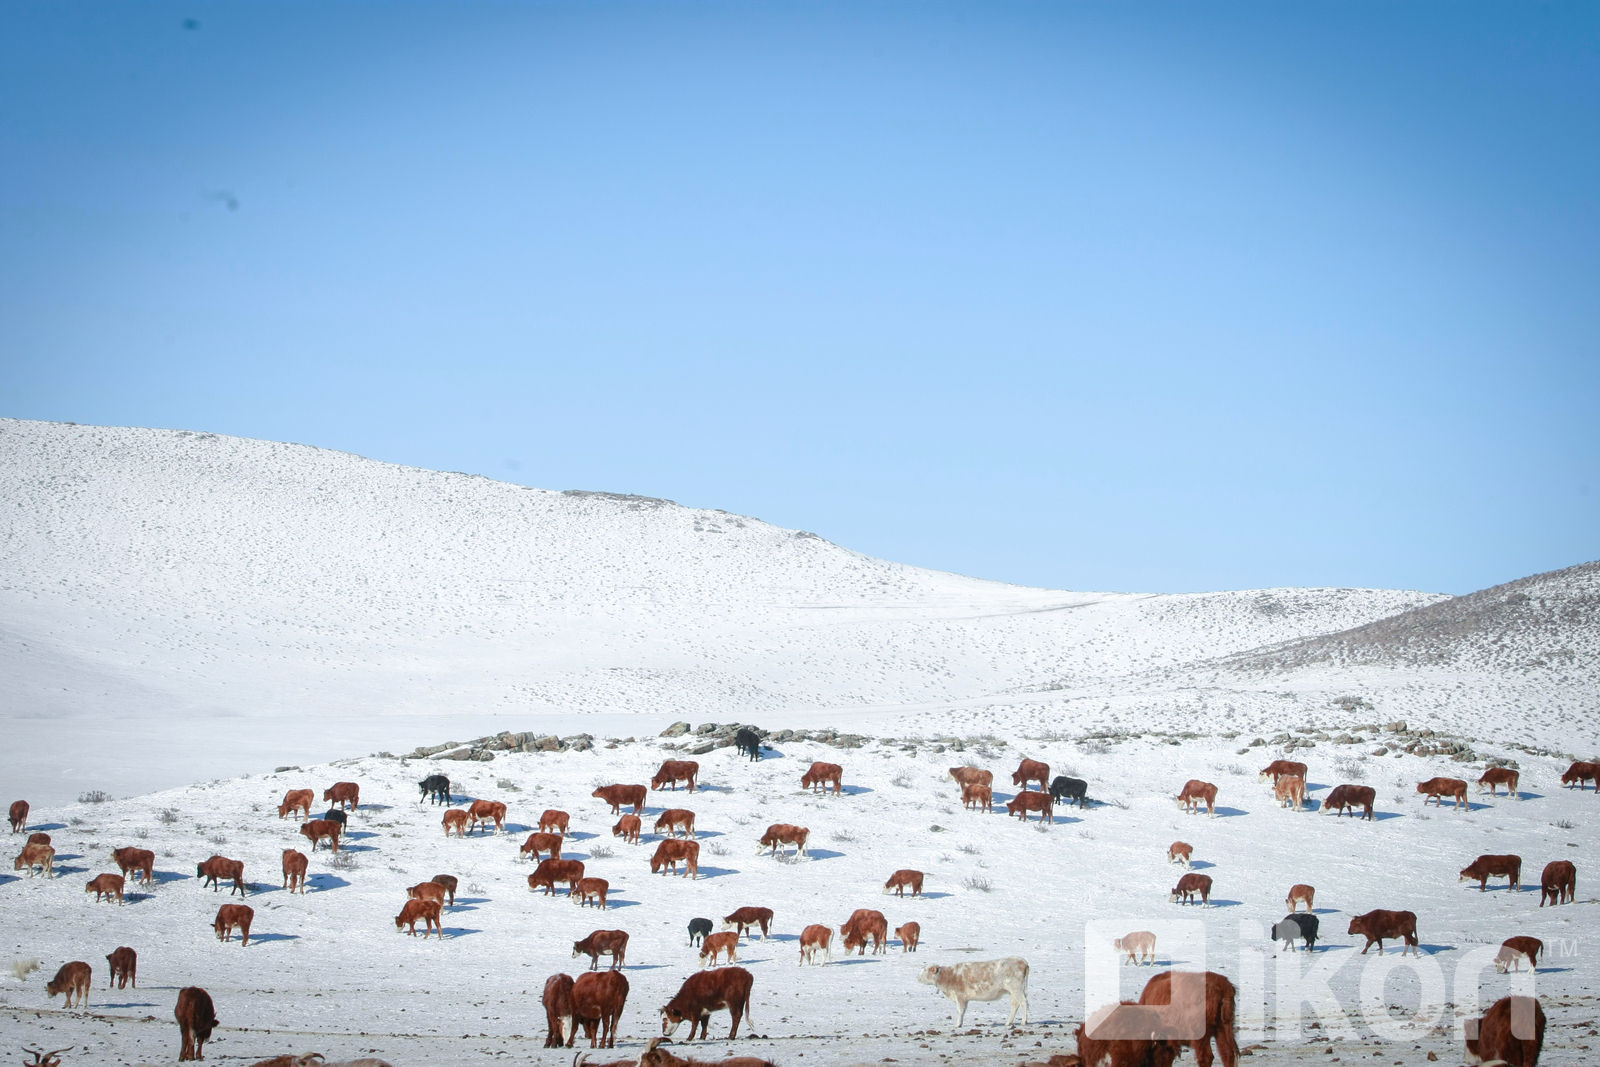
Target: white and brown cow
<point x="984" y="980"/>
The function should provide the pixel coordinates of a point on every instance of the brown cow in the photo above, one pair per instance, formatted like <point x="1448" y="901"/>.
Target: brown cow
<point x="705" y="992"/>
<point x="1511" y="1032"/>
<point x="1513" y="950"/>
<point x="1278" y="768"/>
<point x="104" y="886"/>
<point x="234" y="915"/>
<point x="140" y="861"/>
<point x="622" y="796"/>
<point x="613" y="943"/>
<point x="671" y="821"/>
<point x="549" y="872"/>
<point x="1220" y="1000"/>
<point x="294" y="870"/>
<point x="217" y="868"/>
<point x="587" y="889"/>
<point x="554" y="819"/>
<point x="1352" y="797"/>
<point x="124" y="965"/>
<point x="1484" y="867"/>
<point x="297" y="800"/>
<point x="713" y="945"/>
<point x="977" y="796"/>
<point x="344" y="794"/>
<point x="1376" y="926"/>
<point x="19" y="816"/>
<point x="673" y="771"/>
<point x="1188" y="886"/>
<point x="38" y="838"/>
<point x="1031" y="800"/>
<point x="628" y="828"/>
<point x="196" y="1019"/>
<point x="597" y="1002"/>
<point x="426" y="891"/>
<point x="449" y="882"/>
<point x="865" y="924"/>
<point x="1179" y="852"/>
<point x="1122" y="1039"/>
<point x="426" y="910"/>
<point x="558" y="1010"/>
<point x="909" y="935"/>
<point x="970" y="775"/>
<point x="40" y="856"/>
<point x="1439" y="788"/>
<point x="902" y="880"/>
<point x="73" y="979"/>
<point x="745" y="918"/>
<point x="656" y="1056"/>
<point x="1194" y="791"/>
<point x="542" y="842"/>
<point x="670" y="851"/>
<point x="1300" y="892"/>
<point x="485" y="811"/>
<point x="455" y="819"/>
<point x="1290" y="791"/>
<point x="1031" y="770"/>
<point x="783" y="833"/>
<point x="321" y="830"/>
<point x="1559" y="883"/>
<point x="812" y="938"/>
<point x="1581" y="772"/>
<point x="821" y="775"/>
<point x="1498" y="776"/>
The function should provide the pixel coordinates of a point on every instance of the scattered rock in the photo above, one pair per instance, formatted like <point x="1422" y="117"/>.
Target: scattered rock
<point x="677" y="729"/>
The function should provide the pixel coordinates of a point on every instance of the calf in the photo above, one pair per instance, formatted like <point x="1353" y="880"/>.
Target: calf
<point x="1485" y="867"/>
<point x="73" y="979"/>
<point x="673" y="771"/>
<point x="670" y="851"/>
<point x="296" y="800"/>
<point x="1352" y="797"/>
<point x="230" y="916"/>
<point x="1139" y="945"/>
<point x="863" y="925"/>
<point x="196" y="1019"/>
<point x="344" y="794"/>
<point x="1029" y="800"/>
<point x="1220" y="1000"/>
<point x="1511" y="1033"/>
<point x="597" y="1002"/>
<point x="455" y="819"/>
<point x="986" y="980"/>
<point x="558" y="1010"/>
<point x="485" y="812"/>
<point x="217" y="868"/>
<point x="1437" y="789"/>
<point x="698" y="929"/>
<point x="715" y="944"/>
<point x="587" y="889"/>
<point x="1298" y="894"/>
<point x="977" y="796"/>
<point x="1179" y="852"/>
<point x="19" y="816"/>
<point x="814" y="938"/>
<point x="1290" y="792"/>
<point x="103" y="886"/>
<point x="782" y="833"/>
<point x="294" y="870"/>
<point x="748" y="742"/>
<point x="1377" y="926"/>
<point x="613" y="943"/>
<point x="38" y="838"/>
<point x="549" y="872"/>
<point x="1065" y="789"/>
<point x="1558" y="883"/>
<point x="1581" y="772"/>
<point x="1188" y="886"/>
<point x="1513" y="950"/>
<point x="909" y="935"/>
<point x="1195" y="791"/>
<point x="1498" y="776"/>
<point x="1297" y="924"/>
<point x="541" y="842"/>
<point x="627" y="828"/>
<point x="902" y="880"/>
<point x="746" y="918"/>
<point x="124" y="966"/>
<point x="672" y="820"/>
<point x="449" y="882"/>
<point x="321" y="830"/>
<point x="821" y="775"/>
<point x="705" y="992"/>
<point x="40" y="856"/>
<point x="622" y="796"/>
<point x="1031" y="770"/>
<point x="1278" y="768"/>
<point x="554" y="820"/>
<point x="140" y="861"/>
<point x="435" y="787"/>
<point x="426" y="910"/>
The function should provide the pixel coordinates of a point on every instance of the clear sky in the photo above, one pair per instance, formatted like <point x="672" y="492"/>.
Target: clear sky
<point x="1090" y="295"/>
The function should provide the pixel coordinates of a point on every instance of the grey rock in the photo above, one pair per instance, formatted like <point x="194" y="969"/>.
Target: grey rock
<point x="677" y="729"/>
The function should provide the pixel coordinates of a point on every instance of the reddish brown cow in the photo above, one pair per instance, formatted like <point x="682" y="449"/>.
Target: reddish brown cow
<point x="344" y="794"/>
<point x="1439" y="788"/>
<point x="486" y="811"/>
<point x="124" y="965"/>
<point x="613" y="943"/>
<point x="1498" y="776"/>
<point x="1511" y="1032"/>
<point x="670" y="851"/>
<point x="783" y="833"/>
<point x="821" y="775"/>
<point x="1220" y="1000"/>
<point x="1030" y="800"/>
<point x="1188" y="886"/>
<point x="622" y="796"/>
<point x="1290" y="792"/>
<point x="297" y="800"/>
<point x="555" y="820"/>
<point x="558" y="1010"/>
<point x="909" y="935"/>
<point x="230" y="916"/>
<point x="196" y="1019"/>
<point x="1559" y="883"/>
<point x="140" y="861"/>
<point x="1278" y="768"/>
<point x="745" y="918"/>
<point x="1179" y="852"/>
<point x="865" y="924"/>
<point x="542" y="842"/>
<point x="1377" y="926"/>
<point x="713" y="945"/>
<point x="104" y="886"/>
<point x="449" y="882"/>
<point x="455" y="819"/>
<point x="977" y="796"/>
<point x="215" y="869"/>
<point x="426" y="910"/>
<point x="426" y="891"/>
<point x="587" y="889"/>
<point x="972" y="776"/>
<point x="1194" y="791"/>
<point x="672" y="820"/>
<point x="902" y="880"/>
<point x="597" y="1002"/>
<point x="705" y="992"/>
<point x="1513" y="950"/>
<point x="73" y="979"/>
<point x="1300" y="893"/>
<point x="1485" y="867"/>
<point x="19" y="816"/>
<point x="294" y="870"/>
<point x="1581" y="772"/>
<point x="1351" y="797"/>
<point x="628" y="828"/>
<point x="813" y="938"/>
<point x="1133" y="1048"/>
<point x="321" y="830"/>
<point x="673" y="771"/>
<point x="1031" y="770"/>
<point x="40" y="856"/>
<point x="549" y="872"/>
<point x="39" y="838"/>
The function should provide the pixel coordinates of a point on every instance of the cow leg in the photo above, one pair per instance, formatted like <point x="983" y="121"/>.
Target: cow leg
<point x="961" y="1012"/>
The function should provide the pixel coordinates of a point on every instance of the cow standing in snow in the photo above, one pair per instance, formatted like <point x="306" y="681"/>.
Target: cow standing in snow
<point x="987" y="980"/>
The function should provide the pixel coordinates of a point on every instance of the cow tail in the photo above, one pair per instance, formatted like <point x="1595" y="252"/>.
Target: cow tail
<point x="1227" y="1042"/>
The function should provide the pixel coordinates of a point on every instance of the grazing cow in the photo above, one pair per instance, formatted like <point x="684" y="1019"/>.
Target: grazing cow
<point x="1439" y="788"/>
<point x="597" y="1002"/>
<point x="104" y="886"/>
<point x="38" y="838"/>
<point x="558" y="1010"/>
<point x="124" y="965"/>
<point x="1352" y="797"/>
<point x="549" y="872"/>
<point x="40" y="856"/>
<point x="705" y="992"/>
<point x="673" y="771"/>
<point x="863" y="925"/>
<point x="1376" y="926"/>
<point x="821" y="775"/>
<point x="748" y="742"/>
<point x="73" y="979"/>
<point x="344" y="794"/>
<point x="1513" y="950"/>
<point x="909" y="935"/>
<point x="970" y="775"/>
<point x="813" y="938"/>
<point x="426" y="910"/>
<point x="215" y="869"/>
<point x="196" y="1019"/>
<point x="1485" y="867"/>
<point x="1559" y="883"/>
<point x="1290" y="790"/>
<point x="613" y="943"/>
<point x="587" y="889"/>
<point x="902" y="880"/>
<point x="1064" y="789"/>
<point x="230" y="916"/>
<point x="449" y="882"/>
<point x="628" y="828"/>
<point x="746" y="918"/>
<point x="986" y="980"/>
<point x="1031" y="770"/>
<point x="486" y="811"/>
<point x="542" y="842"/>
<point x="1298" y="893"/>
<point x="297" y="800"/>
<point x="455" y="819"/>
<point x="1576" y="774"/>
<point x="1194" y="791"/>
<point x="1030" y="800"/>
<point x="1297" y="924"/>
<point x="294" y="870"/>
<point x="1188" y="886"/>
<point x="783" y="833"/>
<point x="426" y="891"/>
<point x="622" y="796"/>
<point x="1510" y="1033"/>
<point x="435" y="787"/>
<point x="321" y="830"/>
<point x="554" y="820"/>
<point x="1139" y="945"/>
<point x="1179" y="852"/>
<point x="977" y="796"/>
<point x="716" y="944"/>
<point x="670" y="851"/>
<point x="19" y="816"/>
<point x="671" y="821"/>
<point x="1498" y="776"/>
<point x="698" y="929"/>
<point x="656" y="1056"/>
<point x="1278" y="768"/>
<point x="140" y="861"/>
<point x="1122" y="1038"/>
<point x="1220" y="1000"/>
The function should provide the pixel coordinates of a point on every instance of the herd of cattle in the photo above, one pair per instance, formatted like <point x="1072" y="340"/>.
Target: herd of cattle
<point x="594" y="1002"/>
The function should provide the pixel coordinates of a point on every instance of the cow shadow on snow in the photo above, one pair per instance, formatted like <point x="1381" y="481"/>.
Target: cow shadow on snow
<point x="321" y="883"/>
<point x="44" y="827"/>
<point x="855" y="960"/>
<point x="715" y="872"/>
<point x="268" y="938"/>
<point x="1229" y="813"/>
<point x="129" y="1004"/>
<point x="357" y="848"/>
<point x="823" y="854"/>
<point x="365" y="806"/>
<point x="613" y="903"/>
<point x="467" y="902"/>
<point x="163" y="877"/>
<point x="355" y="835"/>
<point x="857" y="790"/>
<point x="580" y="835"/>
<point x="1385" y="816"/>
<point x="933" y="894"/>
<point x="461" y="931"/>
<point x="1200" y="865"/>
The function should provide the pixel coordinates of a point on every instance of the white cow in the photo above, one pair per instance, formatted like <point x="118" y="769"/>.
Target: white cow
<point x="986" y="980"/>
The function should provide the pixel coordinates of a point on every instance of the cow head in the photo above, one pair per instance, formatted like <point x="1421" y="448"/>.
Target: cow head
<point x="929" y="975"/>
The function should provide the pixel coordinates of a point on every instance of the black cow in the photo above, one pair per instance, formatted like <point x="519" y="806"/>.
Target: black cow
<point x="1074" y="789"/>
<point x="748" y="742"/>
<point x="1302" y="925"/>
<point x="436" y="786"/>
<point x="698" y="929"/>
<point x="336" y="815"/>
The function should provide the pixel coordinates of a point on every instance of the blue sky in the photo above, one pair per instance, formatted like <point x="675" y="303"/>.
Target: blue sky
<point x="1099" y="296"/>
